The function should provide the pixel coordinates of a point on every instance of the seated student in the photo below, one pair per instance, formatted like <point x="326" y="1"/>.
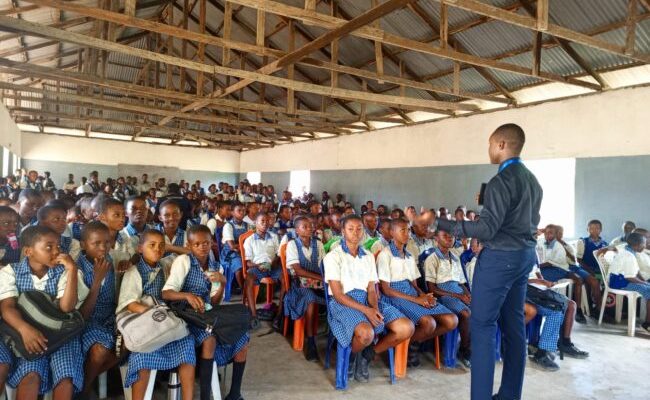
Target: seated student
<point x="643" y="258"/>
<point x="252" y="209"/>
<point x="111" y="214"/>
<point x="419" y="244"/>
<point x="96" y="265"/>
<point x="333" y="231"/>
<point x="624" y="271"/>
<point x="370" y="222"/>
<point x="43" y="268"/>
<point x="397" y="213"/>
<point x="196" y="278"/>
<point x="175" y="236"/>
<point x="147" y="278"/>
<point x="304" y="255"/>
<point x="554" y="259"/>
<point x="383" y="238"/>
<point x="137" y="212"/>
<point x="628" y="227"/>
<point x="216" y="224"/>
<point x="53" y="217"/>
<point x="284" y="222"/>
<point x="230" y="258"/>
<point x="356" y="314"/>
<point x="85" y="216"/>
<point x="469" y="264"/>
<point x="557" y="323"/>
<point x="398" y="273"/>
<point x="9" y="246"/>
<point x="445" y="279"/>
<point x="262" y="261"/>
<point x="585" y="255"/>
<point x="315" y="208"/>
<point x="29" y="201"/>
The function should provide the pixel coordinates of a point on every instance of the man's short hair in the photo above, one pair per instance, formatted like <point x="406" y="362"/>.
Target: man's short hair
<point x="513" y="134"/>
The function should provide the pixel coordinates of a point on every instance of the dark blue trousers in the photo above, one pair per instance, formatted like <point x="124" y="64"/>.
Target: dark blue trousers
<point x="498" y="294"/>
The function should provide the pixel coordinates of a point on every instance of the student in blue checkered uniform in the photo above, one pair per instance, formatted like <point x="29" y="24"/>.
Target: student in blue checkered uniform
<point x="558" y="325"/>
<point x="198" y="279"/>
<point x="625" y="266"/>
<point x="262" y="261"/>
<point x="398" y="274"/>
<point x="137" y="212"/>
<point x="147" y="278"/>
<point x="84" y="213"/>
<point x="29" y="201"/>
<point x="43" y="268"/>
<point x="111" y="214"/>
<point x="585" y="256"/>
<point x="229" y="255"/>
<point x="304" y="255"/>
<point x="96" y="265"/>
<point x="356" y="313"/>
<point x="446" y="280"/>
<point x="175" y="236"/>
<point x="284" y="223"/>
<point x="9" y="244"/>
<point x="53" y="216"/>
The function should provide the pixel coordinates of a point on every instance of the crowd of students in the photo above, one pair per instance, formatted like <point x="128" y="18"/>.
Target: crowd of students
<point x="99" y="247"/>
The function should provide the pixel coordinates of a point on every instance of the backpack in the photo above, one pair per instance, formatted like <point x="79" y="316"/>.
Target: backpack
<point x="39" y="310"/>
<point x="547" y="298"/>
<point x="228" y="322"/>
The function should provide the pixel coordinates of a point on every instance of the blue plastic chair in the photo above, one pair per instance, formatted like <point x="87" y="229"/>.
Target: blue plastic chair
<point x="533" y="329"/>
<point x="343" y="352"/>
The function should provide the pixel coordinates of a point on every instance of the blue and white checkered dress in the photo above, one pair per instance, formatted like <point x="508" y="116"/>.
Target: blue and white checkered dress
<point x="170" y="355"/>
<point x="197" y="283"/>
<point x="299" y="298"/>
<point x="76" y="228"/>
<point x="100" y="328"/>
<point x="66" y="362"/>
<point x="452" y="303"/>
<point x="65" y="243"/>
<point x="642" y="288"/>
<point x="551" y="330"/>
<point x="6" y="356"/>
<point x="11" y="255"/>
<point x="230" y="259"/>
<point x="274" y="274"/>
<point x="179" y="237"/>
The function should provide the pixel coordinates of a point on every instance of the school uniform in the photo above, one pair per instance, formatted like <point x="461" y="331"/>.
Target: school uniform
<point x="125" y="243"/>
<point x="186" y="275"/>
<point x="230" y="259"/>
<point x="399" y="271"/>
<point x="132" y="232"/>
<point x="625" y="263"/>
<point x="179" y="239"/>
<point x="421" y="244"/>
<point x="100" y="327"/>
<point x="281" y="224"/>
<point x="620" y="240"/>
<point x="550" y="333"/>
<point x="447" y="274"/>
<point x="9" y="253"/>
<point x="354" y="274"/>
<point x="470" y="266"/>
<point x="261" y="251"/>
<point x="303" y="291"/>
<point x="75" y="229"/>
<point x="585" y="251"/>
<point x="69" y="245"/>
<point x="643" y="259"/>
<point x="67" y="361"/>
<point x="380" y="244"/>
<point x="143" y="280"/>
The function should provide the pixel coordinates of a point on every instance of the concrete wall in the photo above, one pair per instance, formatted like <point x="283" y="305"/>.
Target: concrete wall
<point x="9" y="132"/>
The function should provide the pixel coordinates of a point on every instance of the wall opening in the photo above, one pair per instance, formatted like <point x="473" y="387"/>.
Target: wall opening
<point x="254" y="177"/>
<point x="299" y="182"/>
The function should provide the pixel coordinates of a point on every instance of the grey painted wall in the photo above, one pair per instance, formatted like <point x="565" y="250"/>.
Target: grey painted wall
<point x="60" y="171"/>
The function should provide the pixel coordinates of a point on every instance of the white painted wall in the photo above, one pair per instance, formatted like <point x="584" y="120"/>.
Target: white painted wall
<point x="9" y="132"/>
<point x="614" y="123"/>
<point x="112" y="152"/>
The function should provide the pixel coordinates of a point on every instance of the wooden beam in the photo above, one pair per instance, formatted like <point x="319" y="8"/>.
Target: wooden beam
<point x="17" y="10"/>
<point x="525" y="21"/>
<point x="227" y="27"/>
<point x="630" y="31"/>
<point x="646" y="4"/>
<point x="542" y="15"/>
<point x="328" y="22"/>
<point x="537" y="53"/>
<point x="444" y="25"/>
<point x="261" y="25"/>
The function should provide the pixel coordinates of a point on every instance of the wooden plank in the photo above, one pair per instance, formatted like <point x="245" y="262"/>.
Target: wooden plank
<point x="201" y="50"/>
<point x="630" y="31"/>
<point x="261" y="23"/>
<point x="379" y="61"/>
<point x="17" y="10"/>
<point x="291" y="100"/>
<point x="537" y="53"/>
<point x="542" y="15"/>
<point x="456" y="78"/>
<point x="227" y="27"/>
<point x="444" y="25"/>
<point x="310" y="5"/>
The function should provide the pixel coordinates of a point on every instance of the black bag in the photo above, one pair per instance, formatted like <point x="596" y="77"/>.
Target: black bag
<point x="39" y="310"/>
<point x="547" y="298"/>
<point x="228" y="322"/>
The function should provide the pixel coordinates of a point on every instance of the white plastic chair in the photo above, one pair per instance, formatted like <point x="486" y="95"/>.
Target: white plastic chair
<point x="632" y="297"/>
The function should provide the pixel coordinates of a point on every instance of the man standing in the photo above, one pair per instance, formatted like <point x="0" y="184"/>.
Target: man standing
<point x="506" y="227"/>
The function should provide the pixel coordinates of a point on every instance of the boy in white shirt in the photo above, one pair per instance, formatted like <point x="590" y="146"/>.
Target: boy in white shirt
<point x="624" y="271"/>
<point x="643" y="258"/>
<point x="262" y="261"/>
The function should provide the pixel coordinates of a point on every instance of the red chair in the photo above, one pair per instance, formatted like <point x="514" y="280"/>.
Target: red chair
<point x="267" y="281"/>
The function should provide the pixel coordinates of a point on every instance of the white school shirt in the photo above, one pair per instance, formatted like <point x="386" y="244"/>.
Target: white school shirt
<point x="534" y="275"/>
<point x="643" y="259"/>
<point x="75" y="248"/>
<point x="132" y="285"/>
<point x="292" y="254"/>
<point x="469" y="268"/>
<point x="178" y="272"/>
<point x="129" y="243"/>
<point x="396" y="269"/>
<point x="249" y="221"/>
<point x="9" y="289"/>
<point x="261" y="250"/>
<point x="624" y="263"/>
<point x="439" y="269"/>
<point x="553" y="254"/>
<point x="352" y="272"/>
<point x="172" y="240"/>
<point x="212" y="222"/>
<point x="228" y="232"/>
<point x="421" y="244"/>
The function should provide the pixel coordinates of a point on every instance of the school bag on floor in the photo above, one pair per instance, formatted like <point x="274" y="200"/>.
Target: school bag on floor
<point x="152" y="329"/>
<point x="39" y="310"/>
<point x="227" y="322"/>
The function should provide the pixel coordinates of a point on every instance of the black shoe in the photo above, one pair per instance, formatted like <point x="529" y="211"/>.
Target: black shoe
<point x="413" y="360"/>
<point x="580" y="317"/>
<point x="254" y="324"/>
<point x="570" y="350"/>
<point x="237" y="397"/>
<point x="544" y="361"/>
<point x="646" y="326"/>
<point x="463" y="358"/>
<point x="361" y="372"/>
<point x="311" y="353"/>
<point x="352" y="366"/>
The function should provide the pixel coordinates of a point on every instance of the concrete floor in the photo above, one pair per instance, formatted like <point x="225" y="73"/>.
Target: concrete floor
<point x="616" y="369"/>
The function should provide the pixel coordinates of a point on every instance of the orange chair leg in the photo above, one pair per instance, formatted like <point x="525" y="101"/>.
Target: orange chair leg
<point x="269" y="293"/>
<point x="401" y="355"/>
<point x="437" y="350"/>
<point x="285" y="328"/>
<point x="298" y="334"/>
